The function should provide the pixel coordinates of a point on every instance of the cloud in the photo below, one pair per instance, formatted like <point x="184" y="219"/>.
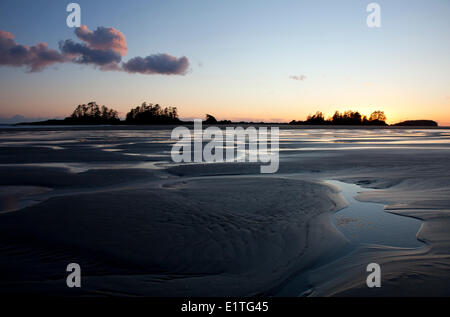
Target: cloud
<point x="102" y="48"/>
<point x="299" y="78"/>
<point x="105" y="46"/>
<point x="103" y="39"/>
<point x="157" y="64"/>
<point x="35" y="57"/>
<point x="82" y="54"/>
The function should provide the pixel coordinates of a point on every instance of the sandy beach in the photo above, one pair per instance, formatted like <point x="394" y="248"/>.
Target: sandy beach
<point x="111" y="200"/>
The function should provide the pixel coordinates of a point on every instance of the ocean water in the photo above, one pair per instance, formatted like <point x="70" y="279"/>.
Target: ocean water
<point x="142" y="141"/>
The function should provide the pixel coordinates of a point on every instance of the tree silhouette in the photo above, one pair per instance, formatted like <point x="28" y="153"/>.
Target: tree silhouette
<point x="349" y="117"/>
<point x="210" y="119"/>
<point x="93" y="114"/>
<point x="378" y="116"/>
<point x="317" y="118"/>
<point x="149" y="113"/>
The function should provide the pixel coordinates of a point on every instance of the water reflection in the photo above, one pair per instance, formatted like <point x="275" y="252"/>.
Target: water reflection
<point x="369" y="223"/>
<point x="154" y="143"/>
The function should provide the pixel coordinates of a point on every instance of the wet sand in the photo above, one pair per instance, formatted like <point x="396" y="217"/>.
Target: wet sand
<point x="141" y="225"/>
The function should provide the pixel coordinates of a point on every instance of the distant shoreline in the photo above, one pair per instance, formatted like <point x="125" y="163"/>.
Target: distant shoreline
<point x="404" y="124"/>
<point x="190" y="124"/>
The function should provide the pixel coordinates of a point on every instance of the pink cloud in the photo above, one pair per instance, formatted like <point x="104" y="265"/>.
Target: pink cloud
<point x="35" y="57"/>
<point x="103" y="39"/>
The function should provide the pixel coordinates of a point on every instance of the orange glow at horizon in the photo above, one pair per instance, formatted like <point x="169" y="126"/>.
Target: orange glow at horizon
<point x="266" y="113"/>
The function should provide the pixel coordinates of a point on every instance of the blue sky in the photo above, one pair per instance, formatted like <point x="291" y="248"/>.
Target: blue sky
<point x="242" y="54"/>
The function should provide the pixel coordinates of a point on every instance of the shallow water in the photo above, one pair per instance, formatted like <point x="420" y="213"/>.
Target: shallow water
<point x="362" y="223"/>
<point x="369" y="223"/>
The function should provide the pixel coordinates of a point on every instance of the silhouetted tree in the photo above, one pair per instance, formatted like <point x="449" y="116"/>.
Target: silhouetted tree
<point x="210" y="119"/>
<point x="93" y="114"/>
<point x="349" y="117"/>
<point x="377" y="118"/>
<point x="317" y="118"/>
<point x="152" y="114"/>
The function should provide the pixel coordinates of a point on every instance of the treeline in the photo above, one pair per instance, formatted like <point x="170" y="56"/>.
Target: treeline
<point x="346" y="118"/>
<point x="148" y="113"/>
<point x="152" y="114"/>
<point x="93" y="114"/>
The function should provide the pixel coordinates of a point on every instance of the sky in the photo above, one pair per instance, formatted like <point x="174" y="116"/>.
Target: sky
<point x="240" y="60"/>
